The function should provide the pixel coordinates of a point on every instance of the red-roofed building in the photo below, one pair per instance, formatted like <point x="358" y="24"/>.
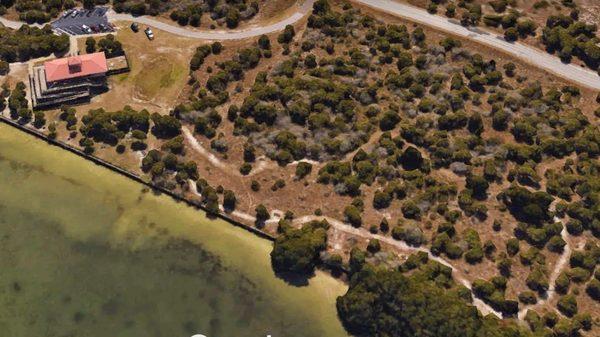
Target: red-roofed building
<point x="76" y="67"/>
<point x="73" y="79"/>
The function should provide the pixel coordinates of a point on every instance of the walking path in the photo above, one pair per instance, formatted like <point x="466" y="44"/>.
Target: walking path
<point x="558" y="268"/>
<point x="340" y="226"/>
<point x="262" y="163"/>
<point x="526" y="53"/>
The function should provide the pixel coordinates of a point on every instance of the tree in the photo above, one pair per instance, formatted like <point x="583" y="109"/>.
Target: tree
<point x="478" y="185"/>
<point x="39" y="119"/>
<point x="511" y="34"/>
<point x="90" y="45"/>
<point x="384" y="225"/>
<point x="297" y="250"/>
<point x="450" y="43"/>
<point x="383" y="302"/>
<point x="232" y="19"/>
<point x="165" y="126"/>
<point x="509" y="69"/>
<point x="530" y="207"/>
<point x="389" y="120"/>
<point x="210" y="200"/>
<point x="195" y="20"/>
<point x="303" y="169"/>
<point x="287" y="35"/>
<point x="567" y="305"/>
<point x="411" y="159"/>
<point x="562" y="283"/>
<point x="593" y="289"/>
<point x="110" y="46"/>
<point x="374" y="246"/>
<point x="4" y="67"/>
<point x="353" y="215"/>
<point x="88" y="4"/>
<point x="229" y="200"/>
<point x="216" y="47"/>
<point x="410" y="210"/>
<point x="382" y="199"/>
<point x="262" y="214"/>
<point x="264" y="42"/>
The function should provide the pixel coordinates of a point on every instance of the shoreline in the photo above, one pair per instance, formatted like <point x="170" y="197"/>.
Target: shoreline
<point x="126" y="173"/>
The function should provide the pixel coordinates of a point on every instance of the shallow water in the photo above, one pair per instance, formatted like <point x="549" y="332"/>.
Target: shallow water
<point x="86" y="252"/>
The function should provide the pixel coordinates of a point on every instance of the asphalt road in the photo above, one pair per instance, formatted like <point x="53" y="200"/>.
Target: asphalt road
<point x="15" y="24"/>
<point x="304" y="9"/>
<point x="531" y="55"/>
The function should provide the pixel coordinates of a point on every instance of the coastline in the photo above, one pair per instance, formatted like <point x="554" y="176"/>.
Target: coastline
<point x="124" y="172"/>
<point x="70" y="212"/>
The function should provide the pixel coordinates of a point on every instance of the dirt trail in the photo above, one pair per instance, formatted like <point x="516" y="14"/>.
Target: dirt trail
<point x="558" y="268"/>
<point x="262" y="162"/>
<point x="340" y="226"/>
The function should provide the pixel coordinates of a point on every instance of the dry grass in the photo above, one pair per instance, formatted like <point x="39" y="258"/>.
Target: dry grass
<point x="158" y="72"/>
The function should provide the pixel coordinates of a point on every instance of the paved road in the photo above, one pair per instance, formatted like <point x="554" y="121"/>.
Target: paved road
<point x="526" y="53"/>
<point x="536" y="57"/>
<point x="304" y="9"/>
<point x="16" y="24"/>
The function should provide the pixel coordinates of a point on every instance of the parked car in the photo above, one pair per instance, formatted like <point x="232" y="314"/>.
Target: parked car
<point x="103" y="27"/>
<point x="86" y="29"/>
<point x="74" y="13"/>
<point x="135" y="27"/>
<point x="67" y="13"/>
<point x="149" y="33"/>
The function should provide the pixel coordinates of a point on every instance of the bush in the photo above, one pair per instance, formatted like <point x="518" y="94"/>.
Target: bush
<point x="287" y="35"/>
<point x="528" y="297"/>
<point x="229" y="200"/>
<point x="512" y="246"/>
<point x="567" y="305"/>
<point x="382" y="199"/>
<point x="556" y="244"/>
<point x="537" y="281"/>
<point x="579" y="275"/>
<point x="562" y="283"/>
<point x="593" y="289"/>
<point x="90" y="45"/>
<point x="303" y="169"/>
<point x="262" y="214"/>
<point x="353" y="215"/>
<point x="410" y="210"/>
<point x="232" y="19"/>
<point x="374" y="246"/>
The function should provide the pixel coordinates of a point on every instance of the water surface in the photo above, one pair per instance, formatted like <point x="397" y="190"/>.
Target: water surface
<point x="86" y="252"/>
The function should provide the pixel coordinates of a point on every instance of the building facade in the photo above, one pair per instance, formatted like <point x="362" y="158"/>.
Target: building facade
<point x="72" y="80"/>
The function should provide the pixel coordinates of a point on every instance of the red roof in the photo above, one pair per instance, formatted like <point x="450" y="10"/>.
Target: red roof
<point x="75" y="66"/>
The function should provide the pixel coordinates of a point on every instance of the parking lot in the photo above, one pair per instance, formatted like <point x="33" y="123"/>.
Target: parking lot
<point x="83" y="21"/>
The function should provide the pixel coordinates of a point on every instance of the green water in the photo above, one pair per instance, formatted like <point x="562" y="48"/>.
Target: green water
<point x="86" y="252"/>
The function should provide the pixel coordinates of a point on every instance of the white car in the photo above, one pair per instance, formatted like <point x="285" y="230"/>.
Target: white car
<point x="74" y="14"/>
<point x="149" y="33"/>
<point x="86" y="29"/>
